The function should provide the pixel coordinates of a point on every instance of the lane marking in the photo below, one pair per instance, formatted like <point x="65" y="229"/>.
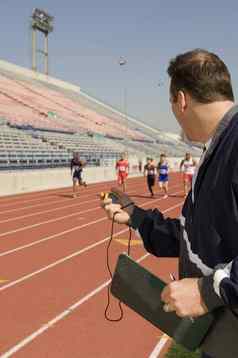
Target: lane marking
<point x="47" y="211"/>
<point x="134" y="242"/>
<point x="58" y="201"/>
<point x="34" y="206"/>
<point x="19" y="248"/>
<point x="62" y="217"/>
<point x="56" y="263"/>
<point x="50" y="210"/>
<point x="3" y="280"/>
<point x="48" y="221"/>
<point x="159" y="346"/>
<point x="59" y="317"/>
<point x="46" y="193"/>
<point x="60" y="191"/>
<point x="90" y="191"/>
<point x="69" y="257"/>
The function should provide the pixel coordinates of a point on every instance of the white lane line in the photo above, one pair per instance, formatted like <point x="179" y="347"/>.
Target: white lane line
<point x="35" y="206"/>
<point x="46" y="193"/>
<point x="69" y="257"/>
<point x="18" y="200"/>
<point x="59" y="317"/>
<point x="67" y="191"/>
<point x="20" y="248"/>
<point x="50" y="210"/>
<point x="53" y="202"/>
<point x="58" y="262"/>
<point x="75" y="228"/>
<point x="57" y="219"/>
<point x="159" y="346"/>
<point x="47" y="211"/>
<point x="48" y="221"/>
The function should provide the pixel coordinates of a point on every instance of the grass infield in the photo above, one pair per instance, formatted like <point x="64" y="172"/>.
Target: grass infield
<point x="177" y="351"/>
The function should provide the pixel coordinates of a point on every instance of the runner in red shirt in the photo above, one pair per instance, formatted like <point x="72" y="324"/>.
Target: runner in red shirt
<point x="122" y="168"/>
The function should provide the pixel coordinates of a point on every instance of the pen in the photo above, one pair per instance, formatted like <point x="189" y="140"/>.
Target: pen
<point x="172" y="277"/>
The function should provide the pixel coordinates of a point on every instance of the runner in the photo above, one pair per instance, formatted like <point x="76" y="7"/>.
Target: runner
<point x="122" y="168"/>
<point x="150" y="172"/>
<point x="163" y="171"/>
<point x="77" y="166"/>
<point x="188" y="166"/>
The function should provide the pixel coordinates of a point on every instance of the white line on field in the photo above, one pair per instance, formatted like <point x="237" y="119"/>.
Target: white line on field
<point x="159" y="346"/>
<point x="47" y="238"/>
<point x="69" y="257"/>
<point x="58" y="318"/>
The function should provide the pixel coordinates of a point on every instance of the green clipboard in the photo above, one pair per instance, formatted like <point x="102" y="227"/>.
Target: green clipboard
<point x="140" y="290"/>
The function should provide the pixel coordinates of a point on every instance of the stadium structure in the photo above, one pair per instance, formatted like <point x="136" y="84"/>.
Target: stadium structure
<point x="44" y="120"/>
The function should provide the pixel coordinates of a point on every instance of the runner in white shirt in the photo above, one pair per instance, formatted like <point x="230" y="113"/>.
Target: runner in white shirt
<point x="187" y="166"/>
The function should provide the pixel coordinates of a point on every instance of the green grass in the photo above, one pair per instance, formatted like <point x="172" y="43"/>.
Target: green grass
<point x="176" y="351"/>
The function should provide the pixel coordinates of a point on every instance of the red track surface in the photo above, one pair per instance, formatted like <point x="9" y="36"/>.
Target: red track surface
<point x="53" y="255"/>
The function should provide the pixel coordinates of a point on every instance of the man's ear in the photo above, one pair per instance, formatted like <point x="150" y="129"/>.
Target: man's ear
<point x="182" y="101"/>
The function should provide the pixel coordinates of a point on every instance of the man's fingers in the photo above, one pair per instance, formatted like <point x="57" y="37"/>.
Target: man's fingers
<point x="105" y="202"/>
<point x="168" y="307"/>
<point x="165" y="295"/>
<point x="112" y="209"/>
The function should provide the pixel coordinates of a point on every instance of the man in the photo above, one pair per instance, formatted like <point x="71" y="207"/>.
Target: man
<point x="187" y="165"/>
<point x="206" y="237"/>
<point x="163" y="175"/>
<point x="122" y="168"/>
<point x="150" y="173"/>
<point x="77" y="166"/>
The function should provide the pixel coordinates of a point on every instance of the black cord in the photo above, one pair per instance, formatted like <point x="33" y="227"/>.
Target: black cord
<point x="110" y="272"/>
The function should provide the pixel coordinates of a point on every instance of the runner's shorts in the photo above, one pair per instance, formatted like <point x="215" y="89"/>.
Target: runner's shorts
<point x="121" y="177"/>
<point x="77" y="175"/>
<point x="163" y="178"/>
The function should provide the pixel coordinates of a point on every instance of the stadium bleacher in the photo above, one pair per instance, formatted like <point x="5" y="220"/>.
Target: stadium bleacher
<point x="43" y="124"/>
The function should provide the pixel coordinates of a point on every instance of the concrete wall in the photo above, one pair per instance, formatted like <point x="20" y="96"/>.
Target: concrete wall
<point x="22" y="181"/>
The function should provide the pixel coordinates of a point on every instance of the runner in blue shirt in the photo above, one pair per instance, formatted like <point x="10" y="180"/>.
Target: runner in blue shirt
<point x="163" y="174"/>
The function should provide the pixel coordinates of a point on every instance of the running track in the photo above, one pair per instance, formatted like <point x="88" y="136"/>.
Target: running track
<point x="53" y="276"/>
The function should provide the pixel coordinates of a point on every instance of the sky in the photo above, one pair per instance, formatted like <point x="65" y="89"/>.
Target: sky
<point x="90" y="37"/>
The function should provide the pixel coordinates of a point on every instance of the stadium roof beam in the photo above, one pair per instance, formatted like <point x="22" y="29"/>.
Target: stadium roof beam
<point x="42" y="22"/>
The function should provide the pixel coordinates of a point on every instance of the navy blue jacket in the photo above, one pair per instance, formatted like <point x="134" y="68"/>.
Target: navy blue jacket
<point x="205" y="238"/>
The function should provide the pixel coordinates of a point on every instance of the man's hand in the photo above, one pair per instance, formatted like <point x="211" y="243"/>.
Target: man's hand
<point x="114" y="210"/>
<point x="121" y="216"/>
<point x="184" y="298"/>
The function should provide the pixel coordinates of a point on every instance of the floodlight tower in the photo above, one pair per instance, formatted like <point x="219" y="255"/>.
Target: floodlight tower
<point x="122" y="63"/>
<point x="42" y="22"/>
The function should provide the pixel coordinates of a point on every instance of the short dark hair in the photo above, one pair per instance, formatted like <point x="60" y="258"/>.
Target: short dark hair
<point x="202" y="74"/>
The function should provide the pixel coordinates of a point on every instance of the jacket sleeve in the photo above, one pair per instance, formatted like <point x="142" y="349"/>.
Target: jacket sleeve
<point x="221" y="288"/>
<point x="160" y="235"/>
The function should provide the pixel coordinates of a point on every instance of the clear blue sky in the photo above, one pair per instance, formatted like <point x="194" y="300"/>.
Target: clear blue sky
<point x="90" y="36"/>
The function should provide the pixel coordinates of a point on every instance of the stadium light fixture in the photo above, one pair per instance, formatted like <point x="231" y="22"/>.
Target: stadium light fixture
<point x="42" y="21"/>
<point x="123" y="62"/>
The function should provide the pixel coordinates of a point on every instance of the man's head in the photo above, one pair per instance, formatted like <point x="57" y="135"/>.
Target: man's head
<point x="123" y="156"/>
<point x="162" y="157"/>
<point x="188" y="156"/>
<point x="76" y="155"/>
<point x="200" y="83"/>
